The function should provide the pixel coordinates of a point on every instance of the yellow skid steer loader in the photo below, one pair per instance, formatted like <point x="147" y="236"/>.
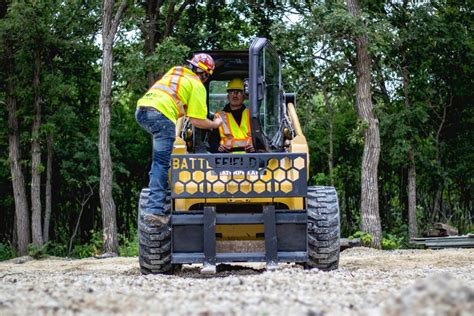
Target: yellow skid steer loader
<point x="253" y="207"/>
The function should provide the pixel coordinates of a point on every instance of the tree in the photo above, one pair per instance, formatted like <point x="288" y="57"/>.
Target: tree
<point x="36" y="230"/>
<point x="48" y="193"/>
<point x="110" y="26"/>
<point x="22" y="222"/>
<point x="158" y="26"/>
<point x="369" y="207"/>
<point x="412" y="222"/>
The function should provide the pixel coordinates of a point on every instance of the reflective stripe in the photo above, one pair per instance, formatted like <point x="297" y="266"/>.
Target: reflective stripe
<point x="233" y="135"/>
<point x="173" y="94"/>
<point x="225" y="124"/>
<point x="173" y="85"/>
<point x="248" y="127"/>
<point x="176" y="78"/>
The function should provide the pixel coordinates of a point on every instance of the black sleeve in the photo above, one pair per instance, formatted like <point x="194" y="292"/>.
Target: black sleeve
<point x="214" y="140"/>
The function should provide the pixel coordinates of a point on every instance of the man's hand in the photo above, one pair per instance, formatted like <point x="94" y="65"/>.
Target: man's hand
<point x="205" y="123"/>
<point x="249" y="148"/>
<point x="223" y="149"/>
<point x="217" y="121"/>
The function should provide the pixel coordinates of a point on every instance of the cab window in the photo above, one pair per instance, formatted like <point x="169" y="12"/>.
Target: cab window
<point x="217" y="96"/>
<point x="269" y="105"/>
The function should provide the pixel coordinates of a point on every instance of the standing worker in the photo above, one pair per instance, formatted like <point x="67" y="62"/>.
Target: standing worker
<point x="234" y="135"/>
<point x="179" y="92"/>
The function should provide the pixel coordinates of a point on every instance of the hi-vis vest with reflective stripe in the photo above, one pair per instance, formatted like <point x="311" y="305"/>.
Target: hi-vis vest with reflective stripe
<point x="233" y="135"/>
<point x="177" y="93"/>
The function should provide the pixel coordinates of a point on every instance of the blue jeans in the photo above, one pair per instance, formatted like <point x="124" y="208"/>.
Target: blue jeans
<point x="163" y="132"/>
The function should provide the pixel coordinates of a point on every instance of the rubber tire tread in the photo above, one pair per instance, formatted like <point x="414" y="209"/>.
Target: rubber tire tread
<point x="154" y="243"/>
<point x="323" y="228"/>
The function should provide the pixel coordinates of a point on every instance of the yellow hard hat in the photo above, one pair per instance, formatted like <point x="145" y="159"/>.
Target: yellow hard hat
<point x="236" y="84"/>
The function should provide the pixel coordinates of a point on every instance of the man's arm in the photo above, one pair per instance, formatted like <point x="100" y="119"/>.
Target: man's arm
<point x="205" y="123"/>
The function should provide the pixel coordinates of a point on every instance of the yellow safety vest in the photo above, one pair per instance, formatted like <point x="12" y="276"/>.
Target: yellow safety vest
<point x="233" y="135"/>
<point x="179" y="92"/>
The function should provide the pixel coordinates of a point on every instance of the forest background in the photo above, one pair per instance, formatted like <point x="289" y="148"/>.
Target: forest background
<point x="57" y="110"/>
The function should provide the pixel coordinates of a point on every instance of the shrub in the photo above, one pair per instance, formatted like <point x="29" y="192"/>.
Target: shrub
<point x="365" y="238"/>
<point x="6" y="251"/>
<point x="470" y="229"/>
<point x="391" y="242"/>
<point x="56" y="249"/>
<point x="129" y="246"/>
<point x="37" y="252"/>
<point x="92" y="248"/>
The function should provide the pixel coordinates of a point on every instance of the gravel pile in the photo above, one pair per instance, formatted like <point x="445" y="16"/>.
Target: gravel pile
<point x="368" y="282"/>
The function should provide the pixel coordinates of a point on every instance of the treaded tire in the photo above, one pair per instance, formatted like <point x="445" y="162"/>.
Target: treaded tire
<point x="323" y="228"/>
<point x="154" y="243"/>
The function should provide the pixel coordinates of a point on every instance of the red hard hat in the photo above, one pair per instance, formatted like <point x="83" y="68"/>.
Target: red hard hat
<point x="203" y="61"/>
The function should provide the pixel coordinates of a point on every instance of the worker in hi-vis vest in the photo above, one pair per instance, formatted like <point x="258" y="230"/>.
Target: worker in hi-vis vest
<point x="179" y="92"/>
<point x="234" y="135"/>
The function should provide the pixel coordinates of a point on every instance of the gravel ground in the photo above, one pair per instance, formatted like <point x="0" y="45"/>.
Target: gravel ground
<point x="368" y="282"/>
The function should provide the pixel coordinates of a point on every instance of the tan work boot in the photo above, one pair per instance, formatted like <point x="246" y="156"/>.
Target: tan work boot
<point x="155" y="219"/>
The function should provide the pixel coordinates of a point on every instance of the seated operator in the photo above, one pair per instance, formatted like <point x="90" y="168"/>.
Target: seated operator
<point x="234" y="135"/>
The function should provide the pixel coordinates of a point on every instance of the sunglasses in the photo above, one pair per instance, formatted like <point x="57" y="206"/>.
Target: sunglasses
<point x="201" y="73"/>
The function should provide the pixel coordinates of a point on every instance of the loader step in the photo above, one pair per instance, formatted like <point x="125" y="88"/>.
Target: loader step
<point x="283" y="256"/>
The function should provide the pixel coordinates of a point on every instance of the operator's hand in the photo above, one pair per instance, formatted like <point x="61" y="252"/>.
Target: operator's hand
<point x="249" y="148"/>
<point x="223" y="149"/>
<point x="217" y="121"/>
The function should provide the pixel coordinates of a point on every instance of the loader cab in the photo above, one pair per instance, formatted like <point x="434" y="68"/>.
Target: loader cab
<point x="260" y="69"/>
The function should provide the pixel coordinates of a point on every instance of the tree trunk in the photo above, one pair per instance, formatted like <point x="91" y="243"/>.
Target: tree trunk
<point x="330" y="132"/>
<point x="151" y="32"/>
<point x="22" y="221"/>
<point x="439" y="190"/>
<point x="436" y="206"/>
<point x="109" y="221"/>
<point x="369" y="206"/>
<point x="14" y="238"/>
<point x="49" y="172"/>
<point x="83" y="203"/>
<point x="36" y="158"/>
<point x="412" y="223"/>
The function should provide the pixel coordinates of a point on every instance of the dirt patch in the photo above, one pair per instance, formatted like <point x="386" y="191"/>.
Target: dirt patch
<point x="368" y="282"/>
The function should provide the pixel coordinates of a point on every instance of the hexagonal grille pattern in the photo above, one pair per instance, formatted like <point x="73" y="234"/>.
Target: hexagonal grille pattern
<point x="238" y="175"/>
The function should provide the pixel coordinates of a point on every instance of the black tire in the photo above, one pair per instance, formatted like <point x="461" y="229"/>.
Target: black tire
<point x="323" y="228"/>
<point x="154" y="243"/>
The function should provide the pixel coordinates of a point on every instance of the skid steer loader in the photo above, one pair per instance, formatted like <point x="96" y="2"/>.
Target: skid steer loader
<point x="253" y="207"/>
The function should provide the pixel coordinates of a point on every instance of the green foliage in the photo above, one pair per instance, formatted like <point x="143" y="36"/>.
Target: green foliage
<point x="56" y="249"/>
<point x="168" y="53"/>
<point x="50" y="248"/>
<point x="222" y="24"/>
<point x="37" y="252"/>
<point x="129" y="247"/>
<point x="6" y="251"/>
<point x="470" y="229"/>
<point x="391" y="242"/>
<point x="91" y="248"/>
<point x="365" y="238"/>
<point x="321" y="179"/>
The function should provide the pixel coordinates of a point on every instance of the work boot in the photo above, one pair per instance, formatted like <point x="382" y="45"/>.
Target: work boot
<point x="155" y="219"/>
<point x="208" y="268"/>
